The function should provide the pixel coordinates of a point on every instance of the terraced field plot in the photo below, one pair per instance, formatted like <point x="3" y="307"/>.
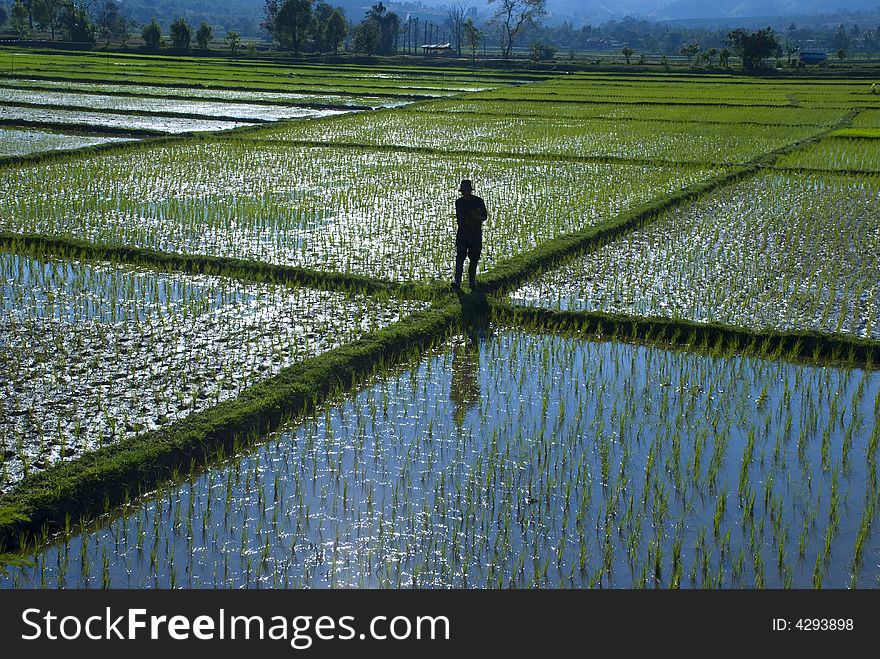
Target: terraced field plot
<point x="381" y="214"/>
<point x="218" y="73"/>
<point x="95" y="353"/>
<point x="526" y="136"/>
<point x="852" y="155"/>
<point x="792" y="116"/>
<point x="122" y="122"/>
<point x="735" y="92"/>
<point x="783" y="251"/>
<point x="201" y="94"/>
<point x="22" y="142"/>
<point x="527" y="461"/>
<point x="240" y="111"/>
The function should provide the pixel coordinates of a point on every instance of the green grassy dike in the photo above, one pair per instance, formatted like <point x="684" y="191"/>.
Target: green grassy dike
<point x="709" y="338"/>
<point x="40" y="245"/>
<point x="99" y="480"/>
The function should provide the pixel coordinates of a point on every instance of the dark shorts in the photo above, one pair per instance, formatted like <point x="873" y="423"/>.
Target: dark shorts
<point x="470" y="247"/>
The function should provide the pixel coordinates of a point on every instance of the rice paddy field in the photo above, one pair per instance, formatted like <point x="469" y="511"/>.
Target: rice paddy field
<point x="22" y="142"/>
<point x="231" y="357"/>
<point x="93" y="353"/>
<point x="782" y="251"/>
<point x="355" y="211"/>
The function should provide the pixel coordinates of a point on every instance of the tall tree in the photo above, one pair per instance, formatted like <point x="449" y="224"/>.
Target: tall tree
<point x="336" y="29"/>
<point x="76" y="24"/>
<point x="233" y="39"/>
<point x="19" y="20"/>
<point x="124" y="29"/>
<point x="47" y="15"/>
<point x="455" y="17"/>
<point x="389" y="25"/>
<point x="367" y="36"/>
<point x="181" y="34"/>
<point x="152" y="35"/>
<point x="690" y="51"/>
<point x="270" y="9"/>
<point x="204" y="35"/>
<point x="472" y="37"/>
<point x="753" y="47"/>
<point x="512" y="16"/>
<point x="292" y="24"/>
<point x="107" y="19"/>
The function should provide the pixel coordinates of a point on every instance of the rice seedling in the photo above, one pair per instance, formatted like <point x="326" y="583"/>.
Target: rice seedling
<point x="852" y="155"/>
<point x="153" y="106"/>
<point x="658" y="141"/>
<point x="791" y="116"/>
<point x="225" y="95"/>
<point x="122" y="122"/>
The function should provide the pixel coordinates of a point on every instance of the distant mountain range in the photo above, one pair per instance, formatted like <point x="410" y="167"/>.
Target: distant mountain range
<point x="245" y="15"/>
<point x="659" y="10"/>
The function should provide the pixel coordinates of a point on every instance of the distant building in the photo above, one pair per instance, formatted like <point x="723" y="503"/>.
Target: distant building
<point x="812" y="57"/>
<point x="433" y="48"/>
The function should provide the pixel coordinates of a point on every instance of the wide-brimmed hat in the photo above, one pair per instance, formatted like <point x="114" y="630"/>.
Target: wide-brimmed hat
<point x="466" y="185"/>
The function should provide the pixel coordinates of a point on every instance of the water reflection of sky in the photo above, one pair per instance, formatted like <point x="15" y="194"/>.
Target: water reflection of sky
<point x="543" y="481"/>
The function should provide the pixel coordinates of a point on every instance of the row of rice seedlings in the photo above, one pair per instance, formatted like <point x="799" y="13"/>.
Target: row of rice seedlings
<point x="833" y="153"/>
<point x="867" y="119"/>
<point x="522" y="462"/>
<point x="119" y="121"/>
<point x="792" y="116"/>
<point x="388" y="215"/>
<point x="166" y="73"/>
<point x="22" y="142"/>
<point x="245" y="69"/>
<point x="729" y="91"/>
<point x="221" y="95"/>
<point x="153" y="105"/>
<point x="783" y="251"/>
<point x="95" y="353"/>
<point x="595" y="138"/>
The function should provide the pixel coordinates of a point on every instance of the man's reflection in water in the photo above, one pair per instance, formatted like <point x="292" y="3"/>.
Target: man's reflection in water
<point x="464" y="389"/>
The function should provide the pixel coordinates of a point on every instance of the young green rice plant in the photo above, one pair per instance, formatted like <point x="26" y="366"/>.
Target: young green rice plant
<point x="558" y="136"/>
<point x="121" y="122"/>
<point x="407" y="482"/>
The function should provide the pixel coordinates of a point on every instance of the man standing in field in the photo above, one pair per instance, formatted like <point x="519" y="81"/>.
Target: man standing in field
<point x="470" y="213"/>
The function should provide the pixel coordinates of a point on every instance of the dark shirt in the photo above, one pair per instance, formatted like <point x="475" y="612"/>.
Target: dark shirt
<point x="464" y="206"/>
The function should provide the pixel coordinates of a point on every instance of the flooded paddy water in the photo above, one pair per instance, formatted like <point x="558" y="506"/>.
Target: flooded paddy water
<point x="512" y="459"/>
<point x="23" y="141"/>
<point x="94" y="353"/>
<point x="326" y="208"/>
<point x="782" y="251"/>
